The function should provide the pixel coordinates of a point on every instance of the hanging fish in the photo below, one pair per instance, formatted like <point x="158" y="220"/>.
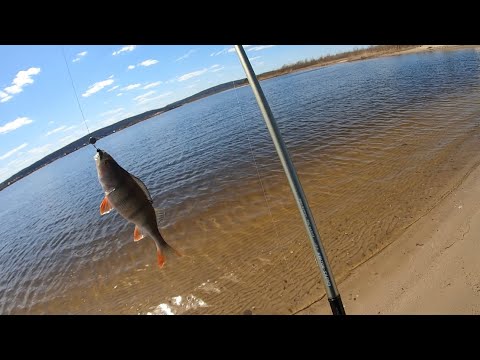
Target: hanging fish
<point x="130" y="197"/>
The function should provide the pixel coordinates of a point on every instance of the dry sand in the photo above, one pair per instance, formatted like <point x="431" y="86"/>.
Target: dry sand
<point x="425" y="48"/>
<point x="433" y="268"/>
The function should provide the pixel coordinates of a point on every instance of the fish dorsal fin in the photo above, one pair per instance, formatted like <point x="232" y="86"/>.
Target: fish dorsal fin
<point x="142" y="186"/>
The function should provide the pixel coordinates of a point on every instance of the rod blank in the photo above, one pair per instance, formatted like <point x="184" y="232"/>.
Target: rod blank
<point x="295" y="185"/>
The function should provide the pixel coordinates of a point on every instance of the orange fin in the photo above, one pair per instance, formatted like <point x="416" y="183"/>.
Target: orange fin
<point x="137" y="234"/>
<point x="105" y="206"/>
<point x="161" y="259"/>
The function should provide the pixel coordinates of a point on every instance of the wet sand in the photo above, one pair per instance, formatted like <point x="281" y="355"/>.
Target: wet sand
<point x="432" y="268"/>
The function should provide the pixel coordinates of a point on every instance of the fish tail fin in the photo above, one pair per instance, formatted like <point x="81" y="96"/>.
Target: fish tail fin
<point x="165" y="250"/>
<point x="160" y="258"/>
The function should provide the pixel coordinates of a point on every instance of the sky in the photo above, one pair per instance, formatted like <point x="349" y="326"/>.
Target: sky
<point x="39" y="112"/>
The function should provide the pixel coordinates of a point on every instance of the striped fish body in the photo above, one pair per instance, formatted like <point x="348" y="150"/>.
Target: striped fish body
<point x="130" y="198"/>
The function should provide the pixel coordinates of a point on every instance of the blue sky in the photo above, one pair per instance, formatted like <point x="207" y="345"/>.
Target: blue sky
<point x="38" y="110"/>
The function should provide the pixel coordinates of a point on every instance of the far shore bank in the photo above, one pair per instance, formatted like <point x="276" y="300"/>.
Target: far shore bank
<point x="366" y="56"/>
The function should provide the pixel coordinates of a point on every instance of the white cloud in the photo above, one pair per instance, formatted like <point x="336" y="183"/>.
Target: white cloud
<point x="168" y="93"/>
<point x="228" y="50"/>
<point x="142" y="97"/>
<point x="192" y="74"/>
<point x="113" y="88"/>
<point x="112" y="112"/>
<point x="148" y="62"/>
<point x="215" y="69"/>
<point x="51" y="122"/>
<point x="13" y="151"/>
<point x="124" y="49"/>
<point x="62" y="128"/>
<point x="223" y="51"/>
<point x="70" y="128"/>
<point x="15" y="124"/>
<point x="4" y="97"/>
<point x="183" y="57"/>
<point x="146" y="99"/>
<point x="56" y="130"/>
<point x="109" y="121"/>
<point x="145" y="63"/>
<point x="40" y="150"/>
<point x="23" y="78"/>
<point x="255" y="58"/>
<point x="260" y="47"/>
<point x="113" y="116"/>
<point x="119" y="94"/>
<point x="67" y="139"/>
<point x="130" y="87"/>
<point x="80" y="55"/>
<point x="92" y="89"/>
<point x="151" y="85"/>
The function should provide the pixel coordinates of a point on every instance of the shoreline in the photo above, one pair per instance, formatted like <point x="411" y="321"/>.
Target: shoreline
<point x="415" y="50"/>
<point x="429" y="269"/>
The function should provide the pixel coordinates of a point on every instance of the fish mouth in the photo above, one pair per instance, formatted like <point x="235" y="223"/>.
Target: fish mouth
<point x="98" y="155"/>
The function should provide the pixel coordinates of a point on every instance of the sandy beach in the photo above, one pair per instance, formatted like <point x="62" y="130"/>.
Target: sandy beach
<point x="416" y="49"/>
<point x="432" y="268"/>
<point x="424" y="48"/>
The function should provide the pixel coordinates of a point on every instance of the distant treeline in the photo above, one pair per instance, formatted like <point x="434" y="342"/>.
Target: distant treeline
<point x="356" y="54"/>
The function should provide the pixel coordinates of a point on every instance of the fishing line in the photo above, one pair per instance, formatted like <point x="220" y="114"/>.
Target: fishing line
<point x="254" y="161"/>
<point x="92" y="140"/>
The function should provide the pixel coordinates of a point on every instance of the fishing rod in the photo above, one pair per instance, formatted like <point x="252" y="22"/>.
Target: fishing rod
<point x="329" y="282"/>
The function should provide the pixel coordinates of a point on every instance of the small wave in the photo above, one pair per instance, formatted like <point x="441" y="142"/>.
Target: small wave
<point x="178" y="305"/>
